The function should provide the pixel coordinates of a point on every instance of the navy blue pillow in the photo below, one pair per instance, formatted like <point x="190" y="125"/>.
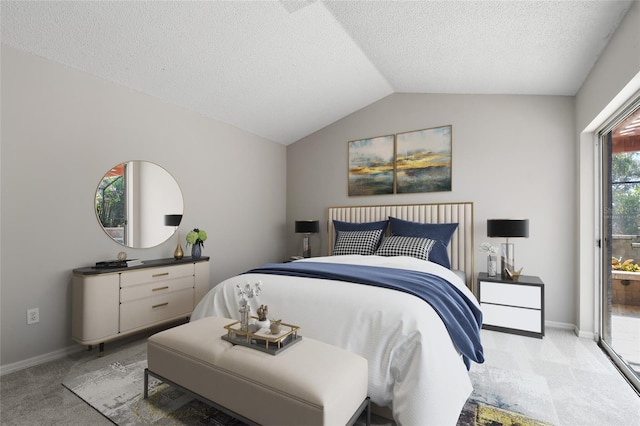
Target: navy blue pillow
<point x="360" y="226"/>
<point x="441" y="232"/>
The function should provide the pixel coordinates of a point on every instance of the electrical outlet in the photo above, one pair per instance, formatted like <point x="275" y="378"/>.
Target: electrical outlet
<point x="33" y="315"/>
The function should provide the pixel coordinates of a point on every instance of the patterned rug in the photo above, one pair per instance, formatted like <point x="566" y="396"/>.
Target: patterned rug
<point x="477" y="413"/>
<point x="116" y="392"/>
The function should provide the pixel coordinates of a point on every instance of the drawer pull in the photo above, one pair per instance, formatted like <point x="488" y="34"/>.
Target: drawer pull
<point x="159" y="275"/>
<point x="161" y="288"/>
<point x="160" y="305"/>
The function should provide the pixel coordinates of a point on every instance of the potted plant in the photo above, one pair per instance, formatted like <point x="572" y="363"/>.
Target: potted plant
<point x="196" y="238"/>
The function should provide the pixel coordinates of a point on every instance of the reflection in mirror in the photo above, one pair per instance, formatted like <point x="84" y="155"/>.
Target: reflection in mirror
<point x="132" y="200"/>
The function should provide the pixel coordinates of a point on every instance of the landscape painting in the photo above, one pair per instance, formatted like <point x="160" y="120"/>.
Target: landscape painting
<point x="371" y="166"/>
<point x="423" y="160"/>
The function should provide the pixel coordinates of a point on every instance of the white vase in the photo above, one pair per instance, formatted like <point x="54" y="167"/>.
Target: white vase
<point x="492" y="265"/>
<point x="263" y="324"/>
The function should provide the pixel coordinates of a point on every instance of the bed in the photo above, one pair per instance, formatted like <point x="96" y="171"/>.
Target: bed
<point x="419" y="351"/>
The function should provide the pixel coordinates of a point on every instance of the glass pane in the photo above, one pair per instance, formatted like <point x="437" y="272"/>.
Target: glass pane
<point x="621" y="307"/>
<point x="111" y="206"/>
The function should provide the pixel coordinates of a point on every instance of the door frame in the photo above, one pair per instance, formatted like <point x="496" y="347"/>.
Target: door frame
<point x="603" y="268"/>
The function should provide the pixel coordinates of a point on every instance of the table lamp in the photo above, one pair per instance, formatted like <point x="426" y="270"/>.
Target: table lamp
<point x="174" y="220"/>
<point x="507" y="228"/>
<point x="307" y="227"/>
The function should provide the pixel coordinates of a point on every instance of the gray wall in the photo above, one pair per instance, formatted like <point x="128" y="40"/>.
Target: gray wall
<point x="61" y="131"/>
<point x="612" y="82"/>
<point x="513" y="157"/>
<point x="538" y="165"/>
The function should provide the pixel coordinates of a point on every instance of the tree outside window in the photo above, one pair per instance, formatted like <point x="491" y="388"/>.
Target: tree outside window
<point x="625" y="188"/>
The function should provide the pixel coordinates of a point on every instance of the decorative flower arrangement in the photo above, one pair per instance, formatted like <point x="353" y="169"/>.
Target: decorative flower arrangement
<point x="492" y="261"/>
<point x="489" y="248"/>
<point x="245" y="293"/>
<point x="196" y="237"/>
<point x="627" y="265"/>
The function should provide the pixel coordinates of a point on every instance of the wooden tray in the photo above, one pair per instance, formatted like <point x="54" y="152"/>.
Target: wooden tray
<point x="262" y="339"/>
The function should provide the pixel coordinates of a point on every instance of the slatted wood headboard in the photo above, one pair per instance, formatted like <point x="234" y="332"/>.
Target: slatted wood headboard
<point x="460" y="249"/>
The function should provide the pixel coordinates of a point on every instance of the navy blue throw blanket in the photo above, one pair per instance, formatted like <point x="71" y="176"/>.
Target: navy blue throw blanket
<point x="460" y="316"/>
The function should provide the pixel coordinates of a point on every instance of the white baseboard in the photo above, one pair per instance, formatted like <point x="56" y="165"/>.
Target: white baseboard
<point x="573" y="327"/>
<point x="561" y="325"/>
<point x="51" y="356"/>
<point x="586" y="334"/>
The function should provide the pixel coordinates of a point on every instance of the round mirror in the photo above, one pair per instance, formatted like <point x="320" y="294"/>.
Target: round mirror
<point x="132" y="201"/>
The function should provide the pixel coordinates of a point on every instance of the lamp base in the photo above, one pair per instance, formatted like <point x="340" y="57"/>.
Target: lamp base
<point x="306" y="247"/>
<point x="507" y="262"/>
<point x="178" y="254"/>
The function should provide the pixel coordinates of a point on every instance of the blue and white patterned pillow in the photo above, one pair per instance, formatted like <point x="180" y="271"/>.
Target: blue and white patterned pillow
<point x="357" y="242"/>
<point x="360" y="226"/>
<point x="396" y="245"/>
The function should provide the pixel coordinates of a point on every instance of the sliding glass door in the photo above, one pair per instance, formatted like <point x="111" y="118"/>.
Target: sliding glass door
<point x="620" y="319"/>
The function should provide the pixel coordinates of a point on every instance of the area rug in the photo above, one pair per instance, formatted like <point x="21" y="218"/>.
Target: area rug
<point x="476" y="413"/>
<point x="116" y="391"/>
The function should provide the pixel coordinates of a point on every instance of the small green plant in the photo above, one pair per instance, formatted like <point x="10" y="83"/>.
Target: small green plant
<point x="196" y="237"/>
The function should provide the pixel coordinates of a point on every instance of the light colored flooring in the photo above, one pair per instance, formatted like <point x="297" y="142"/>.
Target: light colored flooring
<point x="561" y="379"/>
<point x="625" y="334"/>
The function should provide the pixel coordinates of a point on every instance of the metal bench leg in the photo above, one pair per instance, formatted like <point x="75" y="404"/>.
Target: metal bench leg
<point x="365" y="407"/>
<point x="146" y="383"/>
<point x="368" y="411"/>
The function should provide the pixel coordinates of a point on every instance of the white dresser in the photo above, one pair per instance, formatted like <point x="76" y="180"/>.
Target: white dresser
<point x="111" y="303"/>
<point x="512" y="307"/>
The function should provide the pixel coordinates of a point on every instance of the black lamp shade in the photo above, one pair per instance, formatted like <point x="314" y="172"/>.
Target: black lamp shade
<point x="508" y="228"/>
<point x="172" y="219"/>
<point x="307" y="226"/>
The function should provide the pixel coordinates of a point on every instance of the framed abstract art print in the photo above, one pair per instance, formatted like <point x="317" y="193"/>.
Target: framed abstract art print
<point x="371" y="166"/>
<point x="423" y="160"/>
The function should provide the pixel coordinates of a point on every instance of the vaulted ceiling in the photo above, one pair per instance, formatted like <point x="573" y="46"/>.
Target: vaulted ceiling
<point x="285" y="69"/>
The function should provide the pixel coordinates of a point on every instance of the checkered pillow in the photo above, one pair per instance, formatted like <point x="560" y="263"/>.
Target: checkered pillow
<point x="396" y="245"/>
<point x="357" y="242"/>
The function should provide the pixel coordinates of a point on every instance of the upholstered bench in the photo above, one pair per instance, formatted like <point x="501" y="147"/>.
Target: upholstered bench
<point x="309" y="383"/>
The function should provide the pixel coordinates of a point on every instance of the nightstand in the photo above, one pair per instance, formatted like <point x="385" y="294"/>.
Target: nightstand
<point x="512" y="306"/>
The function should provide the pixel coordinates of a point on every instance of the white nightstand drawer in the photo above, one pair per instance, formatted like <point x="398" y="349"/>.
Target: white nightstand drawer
<point x="511" y="294"/>
<point x="511" y="317"/>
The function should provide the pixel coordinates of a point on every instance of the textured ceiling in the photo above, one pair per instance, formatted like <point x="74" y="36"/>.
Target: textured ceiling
<point x="285" y="69"/>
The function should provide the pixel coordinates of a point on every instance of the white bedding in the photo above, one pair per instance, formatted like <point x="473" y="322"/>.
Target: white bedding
<point x="414" y="367"/>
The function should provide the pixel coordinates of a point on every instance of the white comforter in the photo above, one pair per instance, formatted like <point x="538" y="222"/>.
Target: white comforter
<point x="414" y="367"/>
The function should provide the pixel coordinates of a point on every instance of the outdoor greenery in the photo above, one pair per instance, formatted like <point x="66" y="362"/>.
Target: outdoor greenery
<point x="110" y="202"/>
<point x="625" y="193"/>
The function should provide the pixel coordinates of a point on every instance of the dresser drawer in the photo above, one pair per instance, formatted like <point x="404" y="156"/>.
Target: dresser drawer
<point x="158" y="288"/>
<point x="146" y="312"/>
<point x="519" y="295"/>
<point x="156" y="274"/>
<point x="512" y="318"/>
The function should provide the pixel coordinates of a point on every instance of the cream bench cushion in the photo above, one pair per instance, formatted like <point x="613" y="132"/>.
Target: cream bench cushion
<point x="310" y="383"/>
